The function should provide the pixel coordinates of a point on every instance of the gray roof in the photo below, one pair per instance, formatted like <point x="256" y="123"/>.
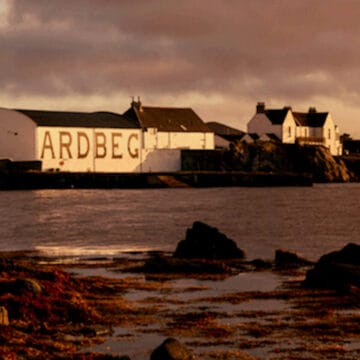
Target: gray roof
<point x="80" y="119"/>
<point x="277" y="116"/>
<point x="167" y="119"/>
<point x="224" y="130"/>
<point x="311" y="119"/>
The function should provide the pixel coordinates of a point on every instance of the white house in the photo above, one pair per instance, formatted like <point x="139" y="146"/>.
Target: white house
<point x="312" y="128"/>
<point x="279" y="122"/>
<point x="143" y="139"/>
<point x="318" y="128"/>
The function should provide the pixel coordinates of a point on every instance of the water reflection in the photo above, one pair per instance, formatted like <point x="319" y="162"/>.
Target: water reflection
<point x="311" y="220"/>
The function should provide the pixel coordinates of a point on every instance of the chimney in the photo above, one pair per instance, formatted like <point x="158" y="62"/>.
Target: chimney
<point x="260" y="108"/>
<point x="136" y="104"/>
<point x="312" y="110"/>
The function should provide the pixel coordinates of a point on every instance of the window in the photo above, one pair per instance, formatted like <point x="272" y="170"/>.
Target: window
<point x="289" y="131"/>
<point x="329" y="134"/>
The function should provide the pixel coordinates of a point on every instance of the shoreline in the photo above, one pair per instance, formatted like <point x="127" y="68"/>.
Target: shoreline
<point x="30" y="180"/>
<point x="252" y="313"/>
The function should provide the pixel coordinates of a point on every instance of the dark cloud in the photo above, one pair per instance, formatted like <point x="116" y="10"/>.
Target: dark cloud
<point x="278" y="49"/>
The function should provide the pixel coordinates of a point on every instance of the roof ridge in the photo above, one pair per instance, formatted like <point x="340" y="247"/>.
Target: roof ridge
<point x="166" y="107"/>
<point x="307" y="113"/>
<point x="56" y="111"/>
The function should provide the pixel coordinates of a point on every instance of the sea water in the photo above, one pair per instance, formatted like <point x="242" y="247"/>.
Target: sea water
<point x="308" y="220"/>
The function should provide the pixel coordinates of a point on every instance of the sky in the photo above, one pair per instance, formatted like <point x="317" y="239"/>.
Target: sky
<point x="219" y="57"/>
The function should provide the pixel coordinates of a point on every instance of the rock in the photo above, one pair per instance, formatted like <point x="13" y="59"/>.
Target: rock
<point x="338" y="270"/>
<point x="4" y="317"/>
<point x="275" y="157"/>
<point x="161" y="265"/>
<point x="260" y="264"/>
<point x="350" y="254"/>
<point x="205" y="242"/>
<point x="28" y="285"/>
<point x="286" y="259"/>
<point x="20" y="285"/>
<point x="172" y="349"/>
<point x="97" y="330"/>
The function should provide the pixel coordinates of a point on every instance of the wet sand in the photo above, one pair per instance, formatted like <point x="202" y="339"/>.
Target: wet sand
<point x="101" y="306"/>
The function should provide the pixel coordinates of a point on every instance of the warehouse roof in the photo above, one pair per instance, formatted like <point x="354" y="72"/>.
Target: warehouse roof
<point x="166" y="119"/>
<point x="80" y="119"/>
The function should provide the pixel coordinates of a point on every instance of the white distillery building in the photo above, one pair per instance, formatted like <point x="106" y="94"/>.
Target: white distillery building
<point x="144" y="139"/>
<point x="311" y="128"/>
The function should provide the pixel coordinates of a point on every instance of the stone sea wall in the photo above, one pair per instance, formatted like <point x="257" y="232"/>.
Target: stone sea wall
<point x="63" y="180"/>
<point x="256" y="164"/>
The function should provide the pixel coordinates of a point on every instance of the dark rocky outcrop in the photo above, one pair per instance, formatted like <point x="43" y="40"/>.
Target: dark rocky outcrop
<point x="260" y="264"/>
<point x="352" y="162"/>
<point x="322" y="165"/>
<point x="205" y="242"/>
<point x="273" y="157"/>
<point x="287" y="259"/>
<point x="172" y="349"/>
<point x="166" y="265"/>
<point x="338" y="270"/>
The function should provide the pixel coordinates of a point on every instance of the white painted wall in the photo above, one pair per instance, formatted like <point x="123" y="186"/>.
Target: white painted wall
<point x="161" y="160"/>
<point x="178" y="140"/>
<point x="288" y="129"/>
<point x="338" y="144"/>
<point x="95" y="150"/>
<point x="150" y="138"/>
<point x="17" y="136"/>
<point x="303" y="131"/>
<point x="85" y="149"/>
<point x="330" y="132"/>
<point x="161" y="150"/>
<point x="190" y="140"/>
<point x="260" y="124"/>
<point x="114" y="150"/>
<point x="210" y="141"/>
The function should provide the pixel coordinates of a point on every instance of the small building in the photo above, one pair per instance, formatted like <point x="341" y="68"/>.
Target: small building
<point x="351" y="146"/>
<point x="224" y="134"/>
<point x="142" y="139"/>
<point x="311" y="128"/>
<point x="165" y="132"/>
